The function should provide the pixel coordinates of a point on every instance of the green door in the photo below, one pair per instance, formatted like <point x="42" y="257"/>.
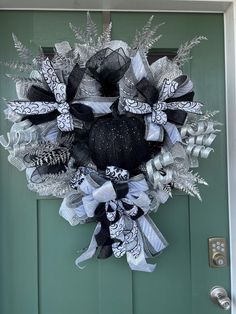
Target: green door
<point x="38" y="247"/>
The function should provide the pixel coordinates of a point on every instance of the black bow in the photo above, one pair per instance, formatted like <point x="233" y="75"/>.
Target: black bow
<point x="108" y="66"/>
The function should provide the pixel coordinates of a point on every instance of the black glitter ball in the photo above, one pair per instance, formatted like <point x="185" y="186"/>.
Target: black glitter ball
<point x="118" y="141"/>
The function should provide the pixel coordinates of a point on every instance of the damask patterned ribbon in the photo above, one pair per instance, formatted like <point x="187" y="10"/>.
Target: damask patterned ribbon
<point x="157" y="108"/>
<point x="117" y="174"/>
<point x="64" y="120"/>
<point x="60" y="102"/>
<point x="56" y="103"/>
<point x="172" y="103"/>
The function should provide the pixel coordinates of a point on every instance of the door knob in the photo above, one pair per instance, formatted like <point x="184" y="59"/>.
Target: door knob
<point x="219" y="296"/>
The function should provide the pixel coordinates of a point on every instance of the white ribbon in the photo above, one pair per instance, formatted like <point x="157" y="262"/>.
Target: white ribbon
<point x="99" y="105"/>
<point x="152" y="234"/>
<point x="77" y="207"/>
<point x="89" y="253"/>
<point x="140" y="67"/>
<point x="155" y="117"/>
<point x="158" y="116"/>
<point x="71" y="210"/>
<point x="106" y="193"/>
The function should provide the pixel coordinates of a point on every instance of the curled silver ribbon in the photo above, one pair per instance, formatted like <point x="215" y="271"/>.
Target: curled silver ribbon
<point x="198" y="150"/>
<point x="200" y="129"/>
<point x="198" y="139"/>
<point x="154" y="166"/>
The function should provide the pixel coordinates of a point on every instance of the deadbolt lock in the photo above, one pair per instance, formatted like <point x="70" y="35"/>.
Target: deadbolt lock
<point x="217" y="252"/>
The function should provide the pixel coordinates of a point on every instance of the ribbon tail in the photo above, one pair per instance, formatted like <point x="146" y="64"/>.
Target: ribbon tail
<point x="141" y="67"/>
<point x="89" y="253"/>
<point x="154" y="241"/>
<point x="65" y="122"/>
<point x="99" y="105"/>
<point x="172" y="132"/>
<point x="30" y="108"/>
<point x="74" y="80"/>
<point x="50" y="75"/>
<point x="72" y="210"/>
<point x="139" y="263"/>
<point x="153" y="131"/>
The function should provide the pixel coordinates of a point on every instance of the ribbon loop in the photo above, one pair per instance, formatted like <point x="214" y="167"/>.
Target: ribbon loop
<point x="65" y="122"/>
<point x="108" y="66"/>
<point x="168" y="89"/>
<point x="117" y="174"/>
<point x="148" y="91"/>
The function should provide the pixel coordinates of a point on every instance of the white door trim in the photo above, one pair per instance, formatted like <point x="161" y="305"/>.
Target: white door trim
<point x="228" y="8"/>
<point x="119" y="5"/>
<point x="230" y="85"/>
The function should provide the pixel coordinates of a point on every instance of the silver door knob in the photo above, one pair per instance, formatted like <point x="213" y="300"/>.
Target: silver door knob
<point x="219" y="296"/>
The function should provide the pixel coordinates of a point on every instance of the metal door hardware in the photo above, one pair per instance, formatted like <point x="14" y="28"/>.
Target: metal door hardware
<point x="217" y="252"/>
<point x="219" y="296"/>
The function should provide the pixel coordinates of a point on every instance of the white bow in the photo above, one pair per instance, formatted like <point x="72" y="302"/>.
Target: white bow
<point x="106" y="193"/>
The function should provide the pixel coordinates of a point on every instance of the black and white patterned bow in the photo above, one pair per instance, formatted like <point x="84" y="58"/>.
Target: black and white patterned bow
<point x="156" y="104"/>
<point x="64" y="119"/>
<point x="120" y="206"/>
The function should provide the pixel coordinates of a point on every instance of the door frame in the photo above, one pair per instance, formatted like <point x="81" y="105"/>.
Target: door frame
<point x="228" y="8"/>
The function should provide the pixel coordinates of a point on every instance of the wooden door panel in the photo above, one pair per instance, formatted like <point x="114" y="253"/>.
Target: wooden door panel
<point x="169" y="287"/>
<point x="62" y="285"/>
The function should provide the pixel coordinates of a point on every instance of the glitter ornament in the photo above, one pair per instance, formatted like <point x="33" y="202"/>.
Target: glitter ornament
<point x="118" y="141"/>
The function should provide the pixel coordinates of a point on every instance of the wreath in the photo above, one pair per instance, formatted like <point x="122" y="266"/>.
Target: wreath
<point x="112" y="135"/>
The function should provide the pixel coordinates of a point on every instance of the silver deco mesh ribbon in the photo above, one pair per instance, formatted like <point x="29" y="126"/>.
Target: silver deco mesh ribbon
<point x="21" y="136"/>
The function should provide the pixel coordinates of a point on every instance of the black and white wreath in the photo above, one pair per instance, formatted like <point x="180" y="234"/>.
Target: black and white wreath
<point x="112" y="135"/>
